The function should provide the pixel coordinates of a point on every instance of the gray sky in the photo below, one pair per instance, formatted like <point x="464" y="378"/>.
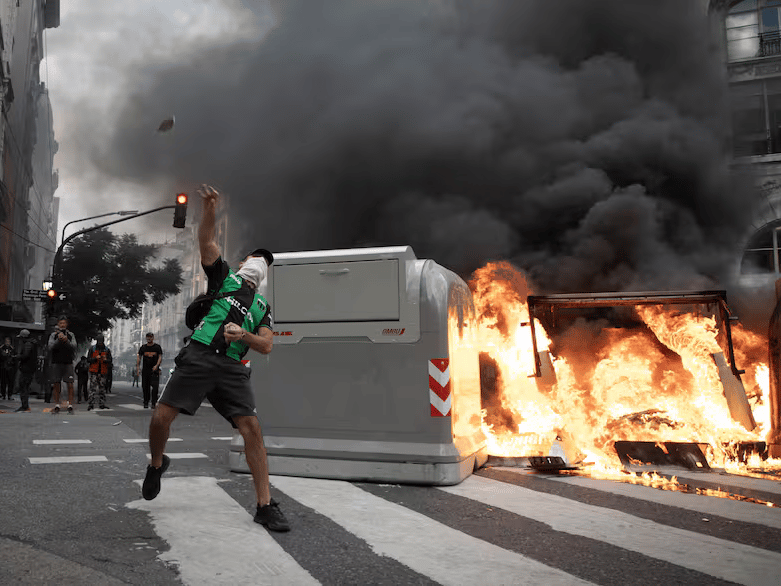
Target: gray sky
<point x="87" y="68"/>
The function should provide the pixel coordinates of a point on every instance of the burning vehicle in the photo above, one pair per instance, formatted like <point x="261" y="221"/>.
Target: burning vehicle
<point x="617" y="381"/>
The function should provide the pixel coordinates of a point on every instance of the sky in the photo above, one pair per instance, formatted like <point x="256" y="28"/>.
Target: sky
<point x="583" y="141"/>
<point x="88" y="70"/>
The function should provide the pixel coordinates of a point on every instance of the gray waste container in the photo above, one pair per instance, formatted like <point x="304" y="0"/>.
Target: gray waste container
<point x="374" y="374"/>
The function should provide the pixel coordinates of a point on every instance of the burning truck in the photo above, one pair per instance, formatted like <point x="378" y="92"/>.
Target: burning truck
<point x="615" y="381"/>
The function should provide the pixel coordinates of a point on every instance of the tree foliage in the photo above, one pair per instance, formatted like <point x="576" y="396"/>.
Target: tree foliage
<point x="107" y="277"/>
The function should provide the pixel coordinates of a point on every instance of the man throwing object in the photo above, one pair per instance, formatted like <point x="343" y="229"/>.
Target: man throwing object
<point x="210" y="366"/>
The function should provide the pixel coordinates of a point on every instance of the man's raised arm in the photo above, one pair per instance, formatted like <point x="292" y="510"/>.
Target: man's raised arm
<point x="207" y="243"/>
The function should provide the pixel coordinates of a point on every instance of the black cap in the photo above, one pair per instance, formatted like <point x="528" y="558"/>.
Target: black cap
<point x="264" y="253"/>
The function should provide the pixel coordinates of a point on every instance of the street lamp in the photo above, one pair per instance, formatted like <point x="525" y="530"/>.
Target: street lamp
<point x="120" y="213"/>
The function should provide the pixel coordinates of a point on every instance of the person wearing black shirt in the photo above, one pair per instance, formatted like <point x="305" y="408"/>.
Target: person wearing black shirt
<point x="152" y="355"/>
<point x="7" y="369"/>
<point x="28" y="365"/>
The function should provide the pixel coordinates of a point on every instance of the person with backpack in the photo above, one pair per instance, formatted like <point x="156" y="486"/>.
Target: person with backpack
<point x="210" y="365"/>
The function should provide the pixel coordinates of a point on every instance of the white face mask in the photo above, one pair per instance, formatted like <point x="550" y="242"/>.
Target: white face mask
<point x="254" y="270"/>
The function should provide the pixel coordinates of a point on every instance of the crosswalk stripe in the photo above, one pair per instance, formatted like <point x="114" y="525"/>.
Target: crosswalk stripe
<point x="729" y="509"/>
<point x="67" y="459"/>
<point x="214" y="540"/>
<point x="61" y="441"/>
<point x="735" y="481"/>
<point x="715" y="557"/>
<point x="133" y="406"/>
<point x="141" y="440"/>
<point x="445" y="555"/>
<point x="183" y="455"/>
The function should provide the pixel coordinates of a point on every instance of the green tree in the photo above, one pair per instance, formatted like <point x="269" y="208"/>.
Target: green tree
<point x="107" y="277"/>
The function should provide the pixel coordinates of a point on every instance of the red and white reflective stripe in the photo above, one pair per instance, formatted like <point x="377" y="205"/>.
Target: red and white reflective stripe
<point x="439" y="386"/>
<point x="245" y="363"/>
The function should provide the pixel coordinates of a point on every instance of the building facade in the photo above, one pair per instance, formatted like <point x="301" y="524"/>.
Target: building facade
<point x="28" y="209"/>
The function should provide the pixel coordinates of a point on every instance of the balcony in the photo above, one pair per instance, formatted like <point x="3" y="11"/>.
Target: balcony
<point x="770" y="44"/>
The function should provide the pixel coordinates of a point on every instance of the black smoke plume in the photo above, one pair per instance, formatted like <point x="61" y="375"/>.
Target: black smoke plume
<point x="582" y="140"/>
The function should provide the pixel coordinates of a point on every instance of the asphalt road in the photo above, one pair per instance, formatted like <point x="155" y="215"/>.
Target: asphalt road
<point x="71" y="513"/>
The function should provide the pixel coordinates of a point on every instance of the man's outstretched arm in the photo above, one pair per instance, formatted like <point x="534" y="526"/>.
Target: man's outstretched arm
<point x="207" y="242"/>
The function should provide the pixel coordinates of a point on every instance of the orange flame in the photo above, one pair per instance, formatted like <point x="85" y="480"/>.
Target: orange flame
<point x="657" y="383"/>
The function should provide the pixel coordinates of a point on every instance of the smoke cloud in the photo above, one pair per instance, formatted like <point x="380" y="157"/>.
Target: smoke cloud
<point x="583" y="141"/>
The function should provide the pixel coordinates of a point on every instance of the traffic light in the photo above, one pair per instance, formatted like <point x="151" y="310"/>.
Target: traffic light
<point x="180" y="212"/>
<point x="51" y="294"/>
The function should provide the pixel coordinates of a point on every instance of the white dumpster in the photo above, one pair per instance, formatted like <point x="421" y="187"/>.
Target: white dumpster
<point x="373" y="375"/>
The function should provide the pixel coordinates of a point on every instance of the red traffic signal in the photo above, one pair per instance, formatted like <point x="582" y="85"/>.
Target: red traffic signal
<point x="180" y="211"/>
<point x="51" y="293"/>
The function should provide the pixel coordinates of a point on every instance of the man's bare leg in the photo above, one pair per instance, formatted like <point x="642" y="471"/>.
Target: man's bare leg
<point x="159" y="428"/>
<point x="70" y="393"/>
<point x="255" y="452"/>
<point x="57" y="393"/>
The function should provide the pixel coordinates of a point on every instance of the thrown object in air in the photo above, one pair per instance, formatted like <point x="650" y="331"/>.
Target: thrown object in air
<point x="166" y="124"/>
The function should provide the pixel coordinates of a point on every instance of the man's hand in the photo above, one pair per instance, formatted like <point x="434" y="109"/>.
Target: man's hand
<point x="233" y="332"/>
<point x="209" y="195"/>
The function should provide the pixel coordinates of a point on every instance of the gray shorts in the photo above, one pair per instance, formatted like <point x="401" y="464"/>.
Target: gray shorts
<point x="60" y="372"/>
<point x="202" y="373"/>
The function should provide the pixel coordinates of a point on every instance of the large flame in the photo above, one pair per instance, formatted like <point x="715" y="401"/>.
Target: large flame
<point x="655" y="380"/>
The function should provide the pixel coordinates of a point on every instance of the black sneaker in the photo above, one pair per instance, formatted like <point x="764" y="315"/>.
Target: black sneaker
<point x="56" y="409"/>
<point x="90" y="408"/>
<point x="70" y="408"/>
<point x="104" y="406"/>
<point x="23" y="409"/>
<point x="271" y="517"/>
<point x="151" y="487"/>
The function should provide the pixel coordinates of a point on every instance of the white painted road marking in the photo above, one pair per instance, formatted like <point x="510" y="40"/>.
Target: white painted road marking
<point x="61" y="441"/>
<point x="214" y="540"/>
<point x="133" y="406"/>
<point x="723" y="559"/>
<point x="224" y="438"/>
<point x="139" y="440"/>
<point x="67" y="459"/>
<point x="445" y="555"/>
<point x="726" y="508"/>
<point x="183" y="455"/>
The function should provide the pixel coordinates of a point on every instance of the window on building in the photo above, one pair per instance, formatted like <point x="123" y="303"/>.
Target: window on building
<point x="753" y="29"/>
<point x="749" y="122"/>
<point x="762" y="253"/>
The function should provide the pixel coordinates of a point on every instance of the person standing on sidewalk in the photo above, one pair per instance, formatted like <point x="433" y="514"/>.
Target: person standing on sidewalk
<point x="82" y="376"/>
<point x="210" y="366"/>
<point x="62" y="347"/>
<point x="28" y="366"/>
<point x="150" y="371"/>
<point x="7" y="368"/>
<point x="100" y="364"/>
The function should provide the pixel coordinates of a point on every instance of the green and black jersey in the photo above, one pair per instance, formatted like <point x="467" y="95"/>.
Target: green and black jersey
<point x="243" y="306"/>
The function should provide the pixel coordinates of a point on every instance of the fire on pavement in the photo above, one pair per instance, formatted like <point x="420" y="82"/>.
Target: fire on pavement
<point x="613" y="384"/>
